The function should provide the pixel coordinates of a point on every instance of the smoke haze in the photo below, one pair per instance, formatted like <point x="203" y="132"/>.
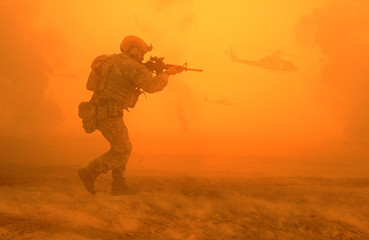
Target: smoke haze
<point x="47" y="48"/>
<point x="26" y="105"/>
<point x="238" y="151"/>
<point x="340" y="31"/>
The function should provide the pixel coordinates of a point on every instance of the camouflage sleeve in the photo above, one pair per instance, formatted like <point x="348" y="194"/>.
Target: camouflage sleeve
<point x="143" y="78"/>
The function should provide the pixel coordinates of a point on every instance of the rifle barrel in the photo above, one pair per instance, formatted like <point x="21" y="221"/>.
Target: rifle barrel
<point x="193" y="69"/>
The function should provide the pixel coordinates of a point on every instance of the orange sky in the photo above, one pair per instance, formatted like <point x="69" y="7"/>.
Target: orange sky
<point x="49" y="46"/>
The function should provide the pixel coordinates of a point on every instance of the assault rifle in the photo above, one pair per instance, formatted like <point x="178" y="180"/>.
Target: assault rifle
<point x="157" y="65"/>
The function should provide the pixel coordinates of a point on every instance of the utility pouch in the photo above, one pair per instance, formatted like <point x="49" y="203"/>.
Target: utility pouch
<point x="108" y="108"/>
<point x="135" y="97"/>
<point x="87" y="112"/>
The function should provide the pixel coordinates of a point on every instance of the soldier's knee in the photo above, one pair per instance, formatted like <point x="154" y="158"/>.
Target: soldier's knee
<point x="123" y="147"/>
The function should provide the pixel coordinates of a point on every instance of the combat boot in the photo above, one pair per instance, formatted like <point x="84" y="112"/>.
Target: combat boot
<point x="88" y="178"/>
<point x="119" y="187"/>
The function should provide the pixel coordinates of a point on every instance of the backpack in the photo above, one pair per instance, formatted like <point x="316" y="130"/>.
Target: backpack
<point x="100" y="69"/>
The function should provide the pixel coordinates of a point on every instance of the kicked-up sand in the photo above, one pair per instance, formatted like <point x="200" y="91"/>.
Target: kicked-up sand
<point x="49" y="202"/>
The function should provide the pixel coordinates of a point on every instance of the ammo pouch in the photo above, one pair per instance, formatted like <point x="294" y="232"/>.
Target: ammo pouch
<point x="135" y="97"/>
<point x="108" y="108"/>
<point x="87" y="112"/>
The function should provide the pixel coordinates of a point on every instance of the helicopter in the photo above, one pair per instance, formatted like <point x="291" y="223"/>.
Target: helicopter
<point x="273" y="62"/>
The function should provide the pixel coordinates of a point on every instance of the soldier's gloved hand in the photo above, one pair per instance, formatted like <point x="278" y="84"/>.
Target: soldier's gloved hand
<point x="174" y="70"/>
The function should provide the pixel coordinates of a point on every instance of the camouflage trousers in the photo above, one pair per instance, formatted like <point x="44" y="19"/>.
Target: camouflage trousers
<point x="115" y="131"/>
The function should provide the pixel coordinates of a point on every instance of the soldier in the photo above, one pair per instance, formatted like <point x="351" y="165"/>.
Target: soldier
<point x="117" y="80"/>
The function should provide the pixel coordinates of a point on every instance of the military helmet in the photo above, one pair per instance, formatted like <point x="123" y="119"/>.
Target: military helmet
<point x="133" y="41"/>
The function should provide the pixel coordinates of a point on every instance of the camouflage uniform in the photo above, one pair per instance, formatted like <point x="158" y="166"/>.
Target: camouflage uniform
<point x="120" y="92"/>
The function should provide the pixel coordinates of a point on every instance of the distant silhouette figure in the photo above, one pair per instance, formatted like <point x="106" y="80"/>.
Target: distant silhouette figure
<point x="68" y="75"/>
<point x="221" y="101"/>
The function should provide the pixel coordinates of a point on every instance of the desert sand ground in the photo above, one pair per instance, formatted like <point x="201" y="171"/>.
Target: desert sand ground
<point x="49" y="202"/>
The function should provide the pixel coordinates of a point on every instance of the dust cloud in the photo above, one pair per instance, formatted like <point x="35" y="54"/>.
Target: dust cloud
<point x="233" y="152"/>
<point x="339" y="30"/>
<point x="153" y="21"/>
<point x="274" y="116"/>
<point x="27" y="106"/>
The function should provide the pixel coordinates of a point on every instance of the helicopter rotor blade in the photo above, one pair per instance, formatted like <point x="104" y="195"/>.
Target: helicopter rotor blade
<point x="280" y="52"/>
